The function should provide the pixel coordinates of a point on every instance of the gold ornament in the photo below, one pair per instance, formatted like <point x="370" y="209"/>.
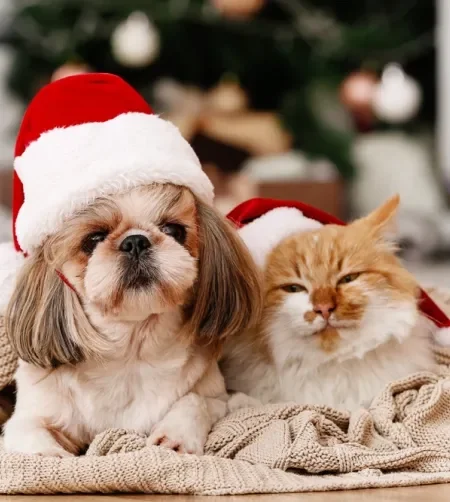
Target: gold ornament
<point x="227" y="97"/>
<point x="357" y="91"/>
<point x="68" y="69"/>
<point x="238" y="8"/>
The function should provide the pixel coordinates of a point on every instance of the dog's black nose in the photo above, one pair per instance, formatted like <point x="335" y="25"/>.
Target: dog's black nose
<point x="134" y="245"/>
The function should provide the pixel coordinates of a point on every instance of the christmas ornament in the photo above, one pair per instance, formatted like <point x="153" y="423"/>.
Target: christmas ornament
<point x="135" y="42"/>
<point x="397" y="97"/>
<point x="68" y="69"/>
<point x="238" y="8"/>
<point x="228" y="97"/>
<point x="356" y="93"/>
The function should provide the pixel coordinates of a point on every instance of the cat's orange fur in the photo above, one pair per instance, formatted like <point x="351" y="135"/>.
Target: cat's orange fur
<point x="323" y="340"/>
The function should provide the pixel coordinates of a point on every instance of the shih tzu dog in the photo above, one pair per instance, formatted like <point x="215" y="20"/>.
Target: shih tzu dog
<point x="118" y="320"/>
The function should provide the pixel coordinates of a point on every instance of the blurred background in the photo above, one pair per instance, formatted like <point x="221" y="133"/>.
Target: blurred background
<point x="337" y="103"/>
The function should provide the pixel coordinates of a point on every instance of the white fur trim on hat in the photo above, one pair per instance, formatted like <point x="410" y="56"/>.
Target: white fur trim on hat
<point x="67" y="168"/>
<point x="265" y="233"/>
<point x="11" y="262"/>
<point x="442" y="336"/>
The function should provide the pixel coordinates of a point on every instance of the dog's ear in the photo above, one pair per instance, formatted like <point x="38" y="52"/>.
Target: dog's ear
<point x="38" y="317"/>
<point x="228" y="292"/>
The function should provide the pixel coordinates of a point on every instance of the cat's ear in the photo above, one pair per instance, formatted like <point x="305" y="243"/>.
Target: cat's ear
<point x="383" y="221"/>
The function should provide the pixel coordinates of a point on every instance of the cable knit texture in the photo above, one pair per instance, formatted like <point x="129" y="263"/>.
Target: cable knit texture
<point x="403" y="439"/>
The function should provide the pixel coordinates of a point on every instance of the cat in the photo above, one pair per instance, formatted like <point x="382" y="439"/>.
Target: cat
<point x="340" y="319"/>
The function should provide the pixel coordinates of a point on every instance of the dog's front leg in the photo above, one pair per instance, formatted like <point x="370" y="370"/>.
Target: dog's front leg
<point x="39" y="401"/>
<point x="27" y="434"/>
<point x="186" y="426"/>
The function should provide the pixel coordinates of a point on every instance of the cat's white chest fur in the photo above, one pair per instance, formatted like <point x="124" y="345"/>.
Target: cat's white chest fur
<point x="344" y="381"/>
<point x="353" y="383"/>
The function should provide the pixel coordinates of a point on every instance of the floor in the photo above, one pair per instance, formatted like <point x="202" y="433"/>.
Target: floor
<point x="435" y="493"/>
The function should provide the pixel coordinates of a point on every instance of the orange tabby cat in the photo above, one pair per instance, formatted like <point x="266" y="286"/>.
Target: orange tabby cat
<point x="340" y="319"/>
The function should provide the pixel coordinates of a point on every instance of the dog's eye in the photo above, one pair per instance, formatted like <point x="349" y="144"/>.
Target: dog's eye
<point x="90" y="242"/>
<point x="293" y="288"/>
<point x="175" y="230"/>
<point x="348" y="278"/>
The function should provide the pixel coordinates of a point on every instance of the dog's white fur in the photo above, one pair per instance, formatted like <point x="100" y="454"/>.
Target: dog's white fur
<point x="158" y="387"/>
<point x="142" y="373"/>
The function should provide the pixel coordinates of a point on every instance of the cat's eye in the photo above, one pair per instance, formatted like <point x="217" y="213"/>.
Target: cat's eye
<point x="348" y="278"/>
<point x="293" y="288"/>
<point x="175" y="230"/>
<point x="90" y="241"/>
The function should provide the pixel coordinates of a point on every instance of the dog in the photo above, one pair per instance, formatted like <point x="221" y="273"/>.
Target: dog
<point x="119" y="318"/>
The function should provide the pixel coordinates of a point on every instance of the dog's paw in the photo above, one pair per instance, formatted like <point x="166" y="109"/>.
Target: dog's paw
<point x="178" y="437"/>
<point x="40" y="443"/>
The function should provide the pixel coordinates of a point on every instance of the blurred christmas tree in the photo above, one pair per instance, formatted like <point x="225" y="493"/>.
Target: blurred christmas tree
<point x="289" y="56"/>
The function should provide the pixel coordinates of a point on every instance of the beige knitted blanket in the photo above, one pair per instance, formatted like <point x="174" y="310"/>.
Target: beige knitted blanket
<point x="403" y="439"/>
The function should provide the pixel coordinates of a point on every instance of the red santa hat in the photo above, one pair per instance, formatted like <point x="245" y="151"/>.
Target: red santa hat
<point x="83" y="137"/>
<point x="264" y="223"/>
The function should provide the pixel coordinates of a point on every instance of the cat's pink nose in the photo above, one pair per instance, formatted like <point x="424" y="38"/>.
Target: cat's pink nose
<point x="324" y="309"/>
